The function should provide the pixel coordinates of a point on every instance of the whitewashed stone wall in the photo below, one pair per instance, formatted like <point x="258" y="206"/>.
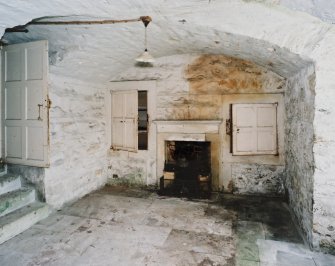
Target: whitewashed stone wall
<point x="259" y="30"/>
<point x="324" y="145"/>
<point x="140" y="168"/>
<point x="258" y="179"/>
<point x="77" y="140"/>
<point x="299" y="140"/>
<point x="323" y="9"/>
<point x="202" y="87"/>
<point x="129" y="168"/>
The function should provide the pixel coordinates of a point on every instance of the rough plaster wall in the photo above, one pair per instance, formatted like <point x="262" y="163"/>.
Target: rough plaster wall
<point x="192" y="87"/>
<point x="270" y="35"/>
<point x="77" y="139"/>
<point x="34" y="175"/>
<point x="257" y="179"/>
<point x="299" y="101"/>
<point x="324" y="145"/>
<point x="323" y="9"/>
<point x="129" y="168"/>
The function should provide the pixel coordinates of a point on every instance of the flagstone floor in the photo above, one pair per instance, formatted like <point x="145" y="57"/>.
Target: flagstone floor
<point x="125" y="226"/>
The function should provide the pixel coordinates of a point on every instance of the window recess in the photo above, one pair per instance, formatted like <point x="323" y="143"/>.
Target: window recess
<point x="143" y="118"/>
<point x="129" y="120"/>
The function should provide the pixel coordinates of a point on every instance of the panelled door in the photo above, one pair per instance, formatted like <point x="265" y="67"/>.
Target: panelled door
<point x="25" y="104"/>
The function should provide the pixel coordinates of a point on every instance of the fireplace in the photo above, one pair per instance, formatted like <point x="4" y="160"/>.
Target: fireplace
<point x="188" y="157"/>
<point x="187" y="169"/>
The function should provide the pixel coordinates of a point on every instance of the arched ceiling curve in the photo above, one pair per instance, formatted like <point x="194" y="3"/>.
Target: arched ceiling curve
<point x="254" y="31"/>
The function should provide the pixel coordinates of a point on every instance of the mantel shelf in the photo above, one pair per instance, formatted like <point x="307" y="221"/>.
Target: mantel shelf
<point x="188" y="126"/>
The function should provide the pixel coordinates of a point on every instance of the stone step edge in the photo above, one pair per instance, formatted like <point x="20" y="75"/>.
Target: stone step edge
<point x="9" y="183"/>
<point x="16" y="199"/>
<point x="22" y="219"/>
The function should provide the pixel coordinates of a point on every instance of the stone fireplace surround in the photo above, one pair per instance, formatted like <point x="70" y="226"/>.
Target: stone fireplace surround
<point x="184" y="130"/>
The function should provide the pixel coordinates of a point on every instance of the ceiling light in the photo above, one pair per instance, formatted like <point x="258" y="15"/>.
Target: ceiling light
<point x="145" y="57"/>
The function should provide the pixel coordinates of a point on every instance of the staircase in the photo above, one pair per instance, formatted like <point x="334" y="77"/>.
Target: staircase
<point x="19" y="208"/>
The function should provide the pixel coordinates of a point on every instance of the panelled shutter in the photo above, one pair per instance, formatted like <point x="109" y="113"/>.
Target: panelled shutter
<point x="124" y="120"/>
<point x="25" y="104"/>
<point x="254" y="129"/>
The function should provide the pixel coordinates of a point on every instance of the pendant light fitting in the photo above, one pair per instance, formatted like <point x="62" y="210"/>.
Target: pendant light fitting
<point x="145" y="57"/>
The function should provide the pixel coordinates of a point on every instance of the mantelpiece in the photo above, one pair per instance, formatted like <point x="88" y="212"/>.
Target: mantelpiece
<point x="188" y="126"/>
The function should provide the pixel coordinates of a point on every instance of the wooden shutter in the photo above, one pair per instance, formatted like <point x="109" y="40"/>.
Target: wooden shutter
<point x="124" y="120"/>
<point x="25" y="103"/>
<point x="254" y="129"/>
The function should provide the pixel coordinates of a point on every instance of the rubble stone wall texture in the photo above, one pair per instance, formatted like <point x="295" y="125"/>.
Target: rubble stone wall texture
<point x="202" y="87"/>
<point x="299" y="140"/>
<point x="262" y="31"/>
<point x="324" y="145"/>
<point x="77" y="140"/>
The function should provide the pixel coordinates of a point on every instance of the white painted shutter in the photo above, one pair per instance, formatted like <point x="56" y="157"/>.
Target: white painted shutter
<point x="124" y="120"/>
<point x="254" y="129"/>
<point x="25" y="103"/>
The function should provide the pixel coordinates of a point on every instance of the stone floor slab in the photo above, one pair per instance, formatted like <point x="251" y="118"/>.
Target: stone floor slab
<point x="241" y="262"/>
<point x="289" y="259"/>
<point x="201" y="243"/>
<point x="135" y="227"/>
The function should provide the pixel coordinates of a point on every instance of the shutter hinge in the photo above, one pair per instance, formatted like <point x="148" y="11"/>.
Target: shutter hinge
<point x="48" y="103"/>
<point x="228" y="127"/>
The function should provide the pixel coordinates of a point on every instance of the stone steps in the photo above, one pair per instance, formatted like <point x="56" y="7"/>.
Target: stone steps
<point x="20" y="220"/>
<point x="16" y="199"/>
<point x="9" y="183"/>
<point x="19" y="209"/>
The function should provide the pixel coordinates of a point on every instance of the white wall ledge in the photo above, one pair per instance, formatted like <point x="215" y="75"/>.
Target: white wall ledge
<point x="188" y="126"/>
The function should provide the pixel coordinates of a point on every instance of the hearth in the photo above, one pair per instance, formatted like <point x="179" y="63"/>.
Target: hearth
<point x="187" y="169"/>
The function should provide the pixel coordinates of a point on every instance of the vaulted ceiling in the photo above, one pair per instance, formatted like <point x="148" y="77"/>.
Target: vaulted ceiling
<point x="253" y="30"/>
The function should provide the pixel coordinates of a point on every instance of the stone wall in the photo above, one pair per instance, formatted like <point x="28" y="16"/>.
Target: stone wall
<point x="275" y="37"/>
<point x="299" y="138"/>
<point x="77" y="140"/>
<point x="324" y="147"/>
<point x="192" y="87"/>
<point x="257" y="179"/>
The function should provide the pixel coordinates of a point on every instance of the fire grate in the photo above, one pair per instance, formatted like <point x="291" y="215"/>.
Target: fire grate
<point x="187" y="169"/>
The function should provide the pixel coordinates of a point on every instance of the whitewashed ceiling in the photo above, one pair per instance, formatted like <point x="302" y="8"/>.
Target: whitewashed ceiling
<point x="99" y="52"/>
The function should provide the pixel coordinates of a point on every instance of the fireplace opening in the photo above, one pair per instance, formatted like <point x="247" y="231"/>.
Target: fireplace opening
<point x="187" y="169"/>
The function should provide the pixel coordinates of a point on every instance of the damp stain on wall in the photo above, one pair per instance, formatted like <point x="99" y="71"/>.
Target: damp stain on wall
<point x="220" y="74"/>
